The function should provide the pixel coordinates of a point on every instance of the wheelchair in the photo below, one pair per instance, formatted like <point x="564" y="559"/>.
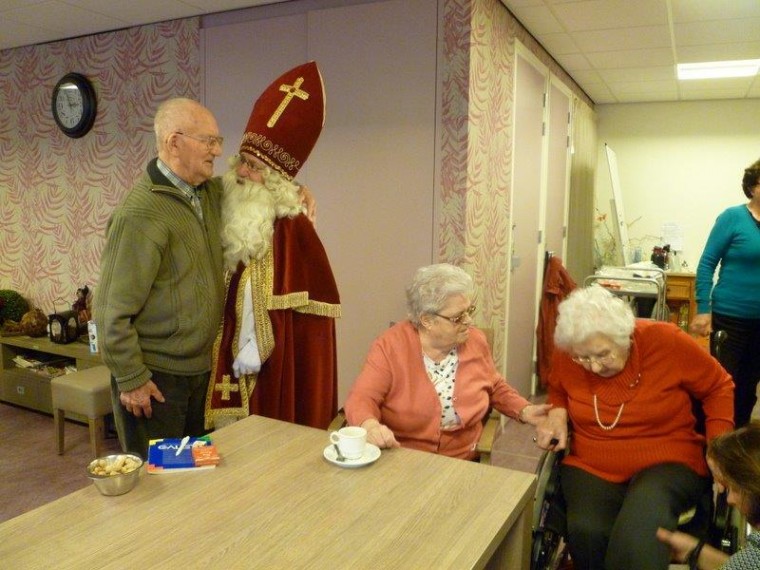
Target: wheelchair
<point x="721" y="525"/>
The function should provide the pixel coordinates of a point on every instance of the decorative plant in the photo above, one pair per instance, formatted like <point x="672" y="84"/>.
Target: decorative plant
<point x="605" y="244"/>
<point x="12" y="306"/>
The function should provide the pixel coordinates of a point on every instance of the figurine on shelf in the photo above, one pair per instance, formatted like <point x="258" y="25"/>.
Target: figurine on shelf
<point x="83" y="308"/>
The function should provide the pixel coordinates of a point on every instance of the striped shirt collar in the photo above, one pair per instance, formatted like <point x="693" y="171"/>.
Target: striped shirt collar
<point x="188" y="189"/>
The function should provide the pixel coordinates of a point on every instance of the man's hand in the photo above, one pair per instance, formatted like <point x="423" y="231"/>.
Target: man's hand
<point x="307" y="199"/>
<point x="137" y="401"/>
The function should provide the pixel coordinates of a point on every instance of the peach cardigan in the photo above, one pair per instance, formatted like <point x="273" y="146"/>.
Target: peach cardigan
<point x="394" y="388"/>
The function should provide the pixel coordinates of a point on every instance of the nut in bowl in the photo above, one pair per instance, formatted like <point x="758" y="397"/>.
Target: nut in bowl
<point x="115" y="474"/>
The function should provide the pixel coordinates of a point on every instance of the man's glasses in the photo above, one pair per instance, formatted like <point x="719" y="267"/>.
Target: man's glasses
<point x="604" y="359"/>
<point x="210" y="141"/>
<point x="251" y="165"/>
<point x="459" y="319"/>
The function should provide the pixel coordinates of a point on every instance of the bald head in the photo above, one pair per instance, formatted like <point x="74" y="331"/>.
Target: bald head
<point x="182" y="126"/>
<point x="176" y="115"/>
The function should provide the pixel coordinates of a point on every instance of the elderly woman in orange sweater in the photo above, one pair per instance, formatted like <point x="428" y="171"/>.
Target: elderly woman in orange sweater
<point x="635" y="459"/>
<point x="429" y="381"/>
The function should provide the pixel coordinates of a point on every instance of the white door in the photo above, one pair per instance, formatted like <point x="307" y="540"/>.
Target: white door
<point x="558" y="169"/>
<point x="530" y="82"/>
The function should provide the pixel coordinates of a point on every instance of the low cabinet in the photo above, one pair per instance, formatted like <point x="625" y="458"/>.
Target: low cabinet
<point x="31" y="388"/>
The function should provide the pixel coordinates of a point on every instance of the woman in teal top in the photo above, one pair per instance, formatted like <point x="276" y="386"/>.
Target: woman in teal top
<point x="733" y="303"/>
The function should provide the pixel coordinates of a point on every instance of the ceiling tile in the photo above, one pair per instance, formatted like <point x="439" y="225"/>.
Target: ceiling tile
<point x="631" y="58"/>
<point x="623" y="39"/>
<point x="704" y="33"/>
<point x="600" y="93"/>
<point x="733" y="83"/>
<point x="647" y="97"/>
<point x="616" y="50"/>
<point x="643" y="87"/>
<point x="587" y="76"/>
<point x="137" y="12"/>
<point x="18" y="34"/>
<point x="13" y="4"/>
<point x="711" y="94"/>
<point x="538" y="19"/>
<point x="663" y="73"/>
<point x="700" y="10"/>
<point x="720" y="52"/>
<point x="611" y="14"/>
<point x="211" y="6"/>
<point x="521" y="3"/>
<point x="72" y="21"/>
<point x="573" y="61"/>
<point x="558" y="44"/>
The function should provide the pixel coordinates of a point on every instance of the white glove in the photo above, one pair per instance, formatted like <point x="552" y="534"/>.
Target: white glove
<point x="248" y="360"/>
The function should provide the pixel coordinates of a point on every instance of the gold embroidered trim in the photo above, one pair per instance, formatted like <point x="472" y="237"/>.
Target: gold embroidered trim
<point x="261" y="274"/>
<point x="321" y="309"/>
<point x="246" y="385"/>
<point x="289" y="301"/>
<point x="270" y="152"/>
<point x="300" y="303"/>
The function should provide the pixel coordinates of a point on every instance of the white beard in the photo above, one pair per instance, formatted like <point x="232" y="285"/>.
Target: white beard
<point x="249" y="210"/>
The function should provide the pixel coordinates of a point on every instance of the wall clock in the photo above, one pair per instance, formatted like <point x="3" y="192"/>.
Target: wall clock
<point x="74" y="105"/>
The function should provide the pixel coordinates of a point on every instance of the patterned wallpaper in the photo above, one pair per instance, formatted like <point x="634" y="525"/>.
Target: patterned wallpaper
<point x="57" y="193"/>
<point x="476" y="148"/>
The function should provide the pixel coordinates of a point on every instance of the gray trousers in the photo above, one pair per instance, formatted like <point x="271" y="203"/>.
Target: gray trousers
<point x="611" y="526"/>
<point x="180" y="415"/>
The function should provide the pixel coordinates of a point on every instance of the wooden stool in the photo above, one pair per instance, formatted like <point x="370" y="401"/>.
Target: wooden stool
<point x="86" y="392"/>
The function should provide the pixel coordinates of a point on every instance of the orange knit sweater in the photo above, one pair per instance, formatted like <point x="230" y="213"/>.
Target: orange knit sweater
<point x="664" y="369"/>
<point x="394" y="388"/>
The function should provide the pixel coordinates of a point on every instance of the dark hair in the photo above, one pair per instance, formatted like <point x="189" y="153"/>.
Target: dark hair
<point x="736" y="455"/>
<point x="751" y="178"/>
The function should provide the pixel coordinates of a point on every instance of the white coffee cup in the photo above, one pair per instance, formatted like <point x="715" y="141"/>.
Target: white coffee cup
<point x="350" y="440"/>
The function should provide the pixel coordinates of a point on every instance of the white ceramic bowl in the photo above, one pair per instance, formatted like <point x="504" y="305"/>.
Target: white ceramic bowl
<point x="117" y="483"/>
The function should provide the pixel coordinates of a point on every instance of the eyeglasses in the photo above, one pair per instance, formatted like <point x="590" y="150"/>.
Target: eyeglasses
<point x="604" y="359"/>
<point x="250" y="165"/>
<point x="210" y="141"/>
<point x="459" y="319"/>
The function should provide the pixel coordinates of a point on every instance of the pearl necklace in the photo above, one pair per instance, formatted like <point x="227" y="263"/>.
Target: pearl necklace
<point x="620" y="411"/>
<point x="613" y="424"/>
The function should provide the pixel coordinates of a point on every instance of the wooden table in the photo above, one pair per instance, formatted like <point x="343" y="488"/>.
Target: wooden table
<point x="275" y="502"/>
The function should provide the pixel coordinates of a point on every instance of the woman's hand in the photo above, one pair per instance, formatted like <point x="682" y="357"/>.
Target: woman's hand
<point x="680" y="543"/>
<point x="701" y="324"/>
<point x="379" y="434"/>
<point x="551" y="433"/>
<point x="682" y="547"/>
<point x="534" y="414"/>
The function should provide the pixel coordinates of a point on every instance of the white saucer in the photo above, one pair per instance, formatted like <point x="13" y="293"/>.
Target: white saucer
<point x="371" y="454"/>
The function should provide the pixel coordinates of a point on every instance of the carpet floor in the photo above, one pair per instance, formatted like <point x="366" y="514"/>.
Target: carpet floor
<point x="31" y="471"/>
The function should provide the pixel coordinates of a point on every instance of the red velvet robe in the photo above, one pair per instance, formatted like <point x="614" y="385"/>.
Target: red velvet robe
<point x="295" y="302"/>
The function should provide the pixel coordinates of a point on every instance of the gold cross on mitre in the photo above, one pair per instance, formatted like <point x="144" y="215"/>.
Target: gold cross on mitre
<point x="226" y="387"/>
<point x="290" y="92"/>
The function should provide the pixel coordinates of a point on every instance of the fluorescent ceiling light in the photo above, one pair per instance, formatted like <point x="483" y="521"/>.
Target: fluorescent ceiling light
<point x="718" y="69"/>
